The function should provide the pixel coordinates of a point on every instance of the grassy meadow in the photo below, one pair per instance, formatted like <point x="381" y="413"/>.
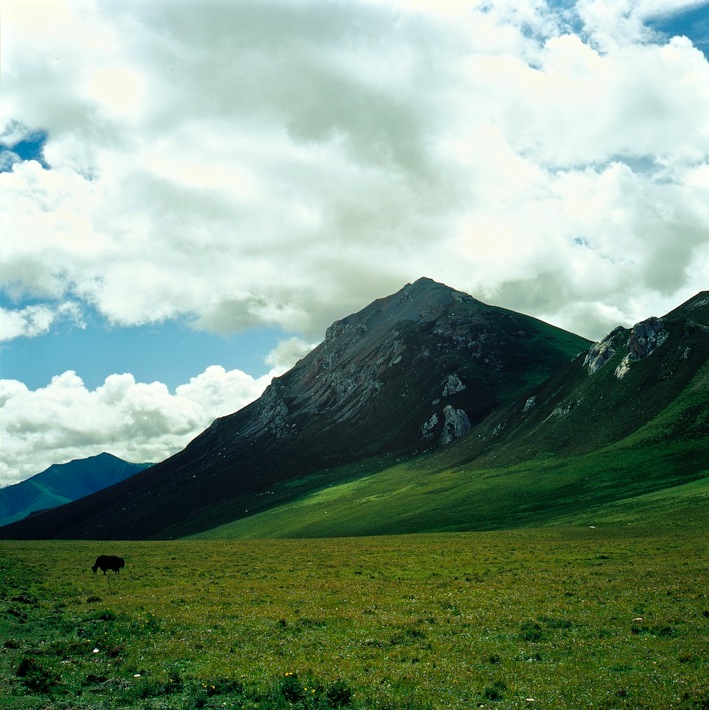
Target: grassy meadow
<point x="615" y="616"/>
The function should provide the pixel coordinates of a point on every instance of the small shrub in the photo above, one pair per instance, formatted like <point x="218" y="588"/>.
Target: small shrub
<point x="664" y="631"/>
<point x="554" y="623"/>
<point x="92" y="679"/>
<point x="407" y="637"/>
<point x="531" y="631"/>
<point x="225" y="686"/>
<point x="102" y="615"/>
<point x="174" y="681"/>
<point x="36" y="677"/>
<point x="290" y="688"/>
<point x="25" y="599"/>
<point x="339" y="694"/>
<point x="495" y="691"/>
<point x="19" y="615"/>
<point x="149" y="688"/>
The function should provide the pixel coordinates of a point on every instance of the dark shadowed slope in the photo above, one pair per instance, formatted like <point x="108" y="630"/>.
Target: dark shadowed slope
<point x="409" y="372"/>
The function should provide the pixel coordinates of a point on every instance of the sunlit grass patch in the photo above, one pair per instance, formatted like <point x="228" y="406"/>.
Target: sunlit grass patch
<point x="577" y="617"/>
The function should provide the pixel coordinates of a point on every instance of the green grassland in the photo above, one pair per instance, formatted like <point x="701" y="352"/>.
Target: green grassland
<point x="614" y="616"/>
<point x="428" y="494"/>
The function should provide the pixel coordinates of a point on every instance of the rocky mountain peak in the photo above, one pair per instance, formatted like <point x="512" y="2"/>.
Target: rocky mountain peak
<point x="422" y="344"/>
<point x="408" y="372"/>
<point x="418" y="302"/>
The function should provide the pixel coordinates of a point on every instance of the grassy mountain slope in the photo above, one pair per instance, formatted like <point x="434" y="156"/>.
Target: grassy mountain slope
<point x="585" y="447"/>
<point x="411" y="497"/>
<point x="63" y="483"/>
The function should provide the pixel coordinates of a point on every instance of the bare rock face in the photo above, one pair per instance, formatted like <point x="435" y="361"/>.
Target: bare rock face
<point x="600" y="353"/>
<point x="455" y="421"/>
<point x="456" y="425"/>
<point x="453" y="386"/>
<point x="645" y="338"/>
<point x="273" y="414"/>
<point x="428" y="426"/>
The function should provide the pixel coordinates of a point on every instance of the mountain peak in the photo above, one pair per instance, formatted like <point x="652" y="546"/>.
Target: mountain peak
<point x="695" y="309"/>
<point x="418" y="302"/>
<point x="63" y="482"/>
<point x="410" y="371"/>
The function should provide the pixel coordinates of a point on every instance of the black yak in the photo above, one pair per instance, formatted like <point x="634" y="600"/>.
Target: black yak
<point x="106" y="562"/>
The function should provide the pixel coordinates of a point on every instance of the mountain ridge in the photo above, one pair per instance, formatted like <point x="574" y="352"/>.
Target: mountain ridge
<point x="408" y="372"/>
<point x="63" y="483"/>
<point x="593" y="444"/>
<point x="429" y="410"/>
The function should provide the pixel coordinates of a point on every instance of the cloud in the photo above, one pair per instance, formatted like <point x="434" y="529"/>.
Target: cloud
<point x="282" y="163"/>
<point x="287" y="353"/>
<point x="32" y="321"/>
<point x="654" y="8"/>
<point x="134" y="420"/>
<point x="137" y="421"/>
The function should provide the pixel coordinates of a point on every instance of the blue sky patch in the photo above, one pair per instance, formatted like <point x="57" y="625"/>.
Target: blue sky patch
<point x="692" y="23"/>
<point x="169" y="352"/>
<point x="31" y="147"/>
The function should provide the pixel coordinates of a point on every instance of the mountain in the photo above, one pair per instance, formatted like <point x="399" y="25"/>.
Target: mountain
<point x="408" y="373"/>
<point x="619" y="436"/>
<point x="62" y="483"/>
<point x="652" y="377"/>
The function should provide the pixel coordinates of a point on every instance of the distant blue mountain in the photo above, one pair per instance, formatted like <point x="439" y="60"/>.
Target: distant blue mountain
<point x="63" y="483"/>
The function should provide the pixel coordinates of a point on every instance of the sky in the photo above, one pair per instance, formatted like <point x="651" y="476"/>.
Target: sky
<point x="193" y="191"/>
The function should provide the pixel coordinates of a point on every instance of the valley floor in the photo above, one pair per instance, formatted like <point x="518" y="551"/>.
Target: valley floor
<point x="606" y="617"/>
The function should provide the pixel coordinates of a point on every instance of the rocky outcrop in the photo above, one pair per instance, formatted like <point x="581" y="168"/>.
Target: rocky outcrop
<point x="645" y="338"/>
<point x="453" y="386"/>
<point x="456" y="425"/>
<point x="428" y="426"/>
<point x="273" y="413"/>
<point x="600" y="353"/>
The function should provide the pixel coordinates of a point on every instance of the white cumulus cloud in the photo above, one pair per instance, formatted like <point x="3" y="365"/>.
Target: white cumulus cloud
<point x="284" y="163"/>
<point x="136" y="421"/>
<point x="32" y="321"/>
<point x="279" y="163"/>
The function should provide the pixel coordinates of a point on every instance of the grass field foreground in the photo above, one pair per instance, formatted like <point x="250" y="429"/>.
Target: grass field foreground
<point x="614" y="617"/>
